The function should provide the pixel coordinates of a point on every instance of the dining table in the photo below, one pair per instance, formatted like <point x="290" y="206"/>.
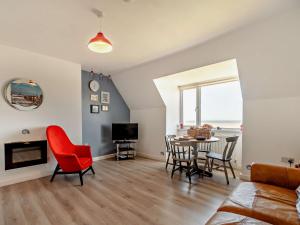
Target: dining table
<point x="196" y="168"/>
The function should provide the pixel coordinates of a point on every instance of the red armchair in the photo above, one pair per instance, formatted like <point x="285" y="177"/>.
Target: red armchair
<point x="70" y="158"/>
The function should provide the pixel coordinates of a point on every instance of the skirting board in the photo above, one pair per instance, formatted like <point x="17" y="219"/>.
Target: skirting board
<point x="18" y="178"/>
<point x="103" y="157"/>
<point x="8" y="179"/>
<point x="154" y="157"/>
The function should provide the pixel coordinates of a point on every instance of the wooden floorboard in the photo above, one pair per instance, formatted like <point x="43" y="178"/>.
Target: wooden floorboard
<point x="133" y="192"/>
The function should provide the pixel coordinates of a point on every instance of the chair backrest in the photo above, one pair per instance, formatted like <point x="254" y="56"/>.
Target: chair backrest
<point x="180" y="148"/>
<point x="169" y="138"/>
<point x="59" y="141"/>
<point x="229" y="147"/>
<point x="204" y="147"/>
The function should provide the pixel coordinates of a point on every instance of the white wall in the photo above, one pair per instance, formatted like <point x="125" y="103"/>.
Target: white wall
<point x="267" y="55"/>
<point x="61" y="85"/>
<point x="170" y="94"/>
<point x="152" y="126"/>
<point x="272" y="129"/>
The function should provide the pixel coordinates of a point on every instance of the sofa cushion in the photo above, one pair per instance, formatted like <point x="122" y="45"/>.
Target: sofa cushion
<point x="272" y="204"/>
<point x="222" y="218"/>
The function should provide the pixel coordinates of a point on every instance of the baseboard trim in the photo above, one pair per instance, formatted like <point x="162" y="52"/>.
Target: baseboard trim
<point x="13" y="179"/>
<point x="8" y="179"/>
<point x="97" y="158"/>
<point x="153" y="157"/>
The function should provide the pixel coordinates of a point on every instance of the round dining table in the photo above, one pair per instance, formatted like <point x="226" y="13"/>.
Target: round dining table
<point x="197" y="169"/>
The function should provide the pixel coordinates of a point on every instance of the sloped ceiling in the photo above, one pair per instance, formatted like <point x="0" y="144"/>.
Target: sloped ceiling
<point x="141" y="30"/>
<point x="267" y="55"/>
<point x="217" y="71"/>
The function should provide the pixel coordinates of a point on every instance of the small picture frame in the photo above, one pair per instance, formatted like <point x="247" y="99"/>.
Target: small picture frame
<point x="94" y="108"/>
<point x="94" y="98"/>
<point x="105" y="97"/>
<point x="104" y="108"/>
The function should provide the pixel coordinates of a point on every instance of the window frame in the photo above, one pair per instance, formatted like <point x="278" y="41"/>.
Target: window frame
<point x="198" y="87"/>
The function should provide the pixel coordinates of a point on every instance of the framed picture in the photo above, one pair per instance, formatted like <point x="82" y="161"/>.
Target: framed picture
<point x="23" y="94"/>
<point x="94" y="98"/>
<point x="105" y="97"/>
<point x="104" y="108"/>
<point x="94" y="108"/>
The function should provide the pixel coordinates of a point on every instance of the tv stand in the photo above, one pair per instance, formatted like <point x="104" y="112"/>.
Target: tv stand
<point x="124" y="149"/>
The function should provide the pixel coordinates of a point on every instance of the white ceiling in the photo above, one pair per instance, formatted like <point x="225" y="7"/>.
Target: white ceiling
<point x="140" y="30"/>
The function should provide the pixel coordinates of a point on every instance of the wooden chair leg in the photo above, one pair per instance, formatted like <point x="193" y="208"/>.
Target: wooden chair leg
<point x="189" y="172"/>
<point x="232" y="171"/>
<point x="173" y="170"/>
<point x="167" y="163"/>
<point x="55" y="172"/>
<point x="225" y="171"/>
<point x="81" y="179"/>
<point x="211" y="165"/>
<point x="180" y="167"/>
<point x="206" y="164"/>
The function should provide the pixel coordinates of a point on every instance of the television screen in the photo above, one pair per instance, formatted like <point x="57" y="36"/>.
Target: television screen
<point x="124" y="131"/>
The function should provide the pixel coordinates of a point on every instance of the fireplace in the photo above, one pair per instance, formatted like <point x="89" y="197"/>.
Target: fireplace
<point x="23" y="154"/>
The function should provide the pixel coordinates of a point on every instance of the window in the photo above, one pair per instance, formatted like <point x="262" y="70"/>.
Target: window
<point x="221" y="105"/>
<point x="189" y="104"/>
<point x="218" y="104"/>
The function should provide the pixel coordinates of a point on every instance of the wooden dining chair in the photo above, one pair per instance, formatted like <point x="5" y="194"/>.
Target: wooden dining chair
<point x="204" y="147"/>
<point x="224" y="157"/>
<point x="168" y="138"/>
<point x="183" y="156"/>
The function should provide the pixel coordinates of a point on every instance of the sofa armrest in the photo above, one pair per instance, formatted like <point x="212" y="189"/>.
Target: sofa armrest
<point x="275" y="175"/>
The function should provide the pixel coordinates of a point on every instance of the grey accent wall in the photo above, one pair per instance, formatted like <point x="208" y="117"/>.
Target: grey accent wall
<point x="96" y="128"/>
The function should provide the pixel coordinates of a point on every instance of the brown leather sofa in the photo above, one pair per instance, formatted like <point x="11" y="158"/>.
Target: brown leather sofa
<point x="270" y="198"/>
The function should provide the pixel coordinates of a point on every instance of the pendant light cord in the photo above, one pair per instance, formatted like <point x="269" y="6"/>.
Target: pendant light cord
<point x="99" y="14"/>
<point x="100" y="22"/>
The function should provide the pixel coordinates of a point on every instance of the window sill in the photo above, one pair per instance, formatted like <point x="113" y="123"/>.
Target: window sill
<point x="238" y="130"/>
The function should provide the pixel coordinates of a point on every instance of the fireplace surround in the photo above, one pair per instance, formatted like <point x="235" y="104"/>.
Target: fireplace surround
<point x="23" y="154"/>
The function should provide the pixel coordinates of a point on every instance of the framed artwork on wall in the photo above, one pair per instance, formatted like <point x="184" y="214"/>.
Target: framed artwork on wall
<point x="94" y="108"/>
<point x="94" y="98"/>
<point x="104" y="108"/>
<point x="105" y="97"/>
<point x="23" y="94"/>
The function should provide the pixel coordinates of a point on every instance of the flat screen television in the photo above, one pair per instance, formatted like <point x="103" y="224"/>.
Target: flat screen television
<point x="125" y="131"/>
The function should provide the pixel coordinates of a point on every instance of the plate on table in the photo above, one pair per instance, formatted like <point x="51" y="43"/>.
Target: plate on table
<point x="184" y="138"/>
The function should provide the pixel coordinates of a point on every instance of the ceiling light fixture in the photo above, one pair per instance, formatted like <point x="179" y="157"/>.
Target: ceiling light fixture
<point x="99" y="43"/>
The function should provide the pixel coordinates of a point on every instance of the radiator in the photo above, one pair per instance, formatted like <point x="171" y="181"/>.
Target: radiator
<point x="220" y="145"/>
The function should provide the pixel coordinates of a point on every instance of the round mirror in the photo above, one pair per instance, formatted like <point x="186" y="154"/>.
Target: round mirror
<point x="23" y="94"/>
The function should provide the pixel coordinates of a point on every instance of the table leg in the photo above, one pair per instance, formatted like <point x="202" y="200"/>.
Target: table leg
<point x="118" y="152"/>
<point x="200" y="171"/>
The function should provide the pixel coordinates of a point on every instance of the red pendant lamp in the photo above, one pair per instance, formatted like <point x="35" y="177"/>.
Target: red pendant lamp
<point x="99" y="43"/>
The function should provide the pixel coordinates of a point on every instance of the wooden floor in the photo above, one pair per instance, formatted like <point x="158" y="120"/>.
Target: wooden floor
<point x="134" y="192"/>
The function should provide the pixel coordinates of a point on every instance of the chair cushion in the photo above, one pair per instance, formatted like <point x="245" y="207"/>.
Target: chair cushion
<point x="272" y="204"/>
<point x="233" y="219"/>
